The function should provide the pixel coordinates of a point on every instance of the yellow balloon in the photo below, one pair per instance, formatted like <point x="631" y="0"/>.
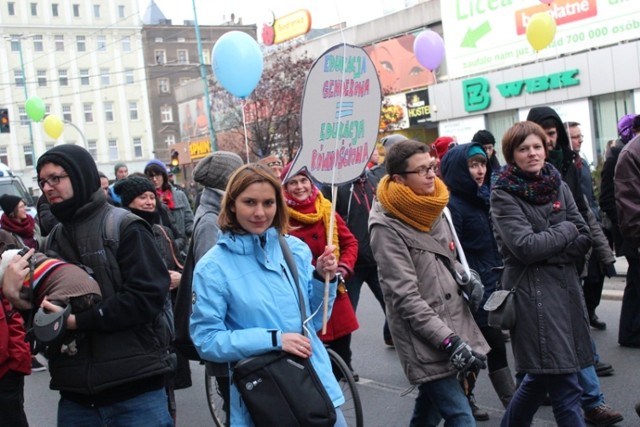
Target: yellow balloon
<point x="53" y="126"/>
<point x="541" y="30"/>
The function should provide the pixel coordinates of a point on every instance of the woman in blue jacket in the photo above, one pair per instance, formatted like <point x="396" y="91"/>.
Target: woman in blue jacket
<point x="245" y="302"/>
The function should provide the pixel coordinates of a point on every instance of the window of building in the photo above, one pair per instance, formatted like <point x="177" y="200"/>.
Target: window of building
<point x="18" y="78"/>
<point x="181" y="39"/>
<point x="54" y="9"/>
<point x="84" y="77"/>
<point x="92" y="148"/>
<point x="607" y="110"/>
<point x="4" y="155"/>
<point x="59" y="42"/>
<point x="170" y="140"/>
<point x="101" y="43"/>
<point x="11" y="9"/>
<point x="38" y="46"/>
<point x="113" y="149"/>
<point x="96" y="11"/>
<point x="126" y="44"/>
<point x="66" y="112"/>
<point x="184" y="80"/>
<point x="206" y="56"/>
<point x="498" y="123"/>
<point x="15" y="42"/>
<point x="133" y="110"/>
<point x="81" y="43"/>
<point x="105" y="79"/>
<point x="163" y="85"/>
<point x="24" y="118"/>
<point x="88" y="112"/>
<point x="128" y="76"/>
<point x="108" y="111"/>
<point x="62" y="78"/>
<point x="183" y="56"/>
<point x="41" y="77"/>
<point x="161" y="56"/>
<point x="76" y="10"/>
<point x="166" y="114"/>
<point x="137" y="147"/>
<point x="158" y="39"/>
<point x="121" y="11"/>
<point x="34" y="9"/>
<point x="28" y="155"/>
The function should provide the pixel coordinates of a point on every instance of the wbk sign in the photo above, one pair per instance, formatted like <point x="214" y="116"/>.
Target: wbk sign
<point x="477" y="95"/>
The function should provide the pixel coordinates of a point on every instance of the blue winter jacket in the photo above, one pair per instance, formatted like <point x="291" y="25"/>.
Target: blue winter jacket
<point x="242" y="291"/>
<point x="469" y="208"/>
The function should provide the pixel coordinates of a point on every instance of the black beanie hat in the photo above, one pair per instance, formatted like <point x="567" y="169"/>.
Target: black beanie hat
<point x="9" y="203"/>
<point x="131" y="187"/>
<point x="484" y="137"/>
<point x="82" y="171"/>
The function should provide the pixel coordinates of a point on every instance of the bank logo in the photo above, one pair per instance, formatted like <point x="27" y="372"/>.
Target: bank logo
<point x="476" y="94"/>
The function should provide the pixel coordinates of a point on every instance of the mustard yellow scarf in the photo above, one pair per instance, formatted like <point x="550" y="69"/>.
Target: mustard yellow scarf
<point x="420" y="212"/>
<point x="323" y="212"/>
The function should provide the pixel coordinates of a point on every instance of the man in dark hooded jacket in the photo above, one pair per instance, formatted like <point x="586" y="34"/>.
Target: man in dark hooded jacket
<point x="563" y="157"/>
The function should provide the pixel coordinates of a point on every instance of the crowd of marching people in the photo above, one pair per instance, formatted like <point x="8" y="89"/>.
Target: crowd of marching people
<point x="450" y="224"/>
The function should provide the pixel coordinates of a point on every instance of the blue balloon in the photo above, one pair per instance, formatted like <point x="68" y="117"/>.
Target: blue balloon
<point x="237" y="63"/>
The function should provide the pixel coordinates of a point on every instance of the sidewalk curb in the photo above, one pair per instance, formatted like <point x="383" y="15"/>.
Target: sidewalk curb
<point x="610" y="294"/>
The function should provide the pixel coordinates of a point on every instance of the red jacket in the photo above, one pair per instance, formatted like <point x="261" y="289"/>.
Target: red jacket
<point x="15" y="352"/>
<point x="343" y="319"/>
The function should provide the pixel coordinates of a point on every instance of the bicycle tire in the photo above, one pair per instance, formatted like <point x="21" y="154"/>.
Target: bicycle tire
<point x="217" y="406"/>
<point x="352" y="407"/>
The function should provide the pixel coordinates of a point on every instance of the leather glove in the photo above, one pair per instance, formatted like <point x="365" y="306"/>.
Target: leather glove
<point x="610" y="270"/>
<point x="462" y="356"/>
<point x="473" y="290"/>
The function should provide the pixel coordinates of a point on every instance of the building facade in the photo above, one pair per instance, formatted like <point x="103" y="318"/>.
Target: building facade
<point x="85" y="61"/>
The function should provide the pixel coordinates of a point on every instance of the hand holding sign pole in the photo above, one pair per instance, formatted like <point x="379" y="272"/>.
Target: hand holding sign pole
<point x="339" y="121"/>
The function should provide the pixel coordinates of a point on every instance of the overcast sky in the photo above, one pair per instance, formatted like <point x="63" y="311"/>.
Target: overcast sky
<point x="323" y="12"/>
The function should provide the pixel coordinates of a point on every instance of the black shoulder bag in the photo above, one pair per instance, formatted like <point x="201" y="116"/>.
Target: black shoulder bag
<point x="281" y="389"/>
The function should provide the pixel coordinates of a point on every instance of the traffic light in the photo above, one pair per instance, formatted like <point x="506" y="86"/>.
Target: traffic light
<point x="4" y="121"/>
<point x="175" y="162"/>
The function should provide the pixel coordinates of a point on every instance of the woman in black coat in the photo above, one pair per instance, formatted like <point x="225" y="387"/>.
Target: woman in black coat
<point x="542" y="237"/>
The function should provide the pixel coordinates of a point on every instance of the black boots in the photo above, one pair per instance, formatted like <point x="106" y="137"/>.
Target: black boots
<point x="503" y="384"/>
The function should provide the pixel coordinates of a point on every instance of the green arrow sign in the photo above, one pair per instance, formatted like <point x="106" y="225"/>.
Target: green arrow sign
<point x="473" y="35"/>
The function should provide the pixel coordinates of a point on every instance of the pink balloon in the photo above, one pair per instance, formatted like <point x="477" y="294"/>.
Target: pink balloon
<point x="429" y="49"/>
<point x="546" y="1"/>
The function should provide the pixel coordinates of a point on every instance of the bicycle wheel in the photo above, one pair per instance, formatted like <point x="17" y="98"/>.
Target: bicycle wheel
<point x="352" y="407"/>
<point x="216" y="387"/>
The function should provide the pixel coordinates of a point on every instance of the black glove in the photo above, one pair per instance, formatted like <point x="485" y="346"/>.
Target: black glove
<point x="473" y="290"/>
<point x="610" y="270"/>
<point x="462" y="357"/>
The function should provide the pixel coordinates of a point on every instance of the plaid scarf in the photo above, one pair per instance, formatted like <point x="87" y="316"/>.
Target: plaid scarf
<point x="536" y="189"/>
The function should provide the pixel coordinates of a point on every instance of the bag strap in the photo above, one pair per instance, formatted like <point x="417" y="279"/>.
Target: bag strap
<point x="170" y="242"/>
<point x="463" y="258"/>
<point x="288" y="257"/>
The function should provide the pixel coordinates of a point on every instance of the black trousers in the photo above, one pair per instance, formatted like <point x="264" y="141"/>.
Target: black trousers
<point x="12" y="400"/>
<point x="593" y="285"/>
<point x="629" y="332"/>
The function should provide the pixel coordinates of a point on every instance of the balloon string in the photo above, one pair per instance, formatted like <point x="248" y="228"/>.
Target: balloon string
<point x="244" y="125"/>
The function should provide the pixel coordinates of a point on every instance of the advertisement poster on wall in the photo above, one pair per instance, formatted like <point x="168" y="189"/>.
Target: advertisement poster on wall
<point x="193" y="120"/>
<point x="397" y="66"/>
<point x="418" y="107"/>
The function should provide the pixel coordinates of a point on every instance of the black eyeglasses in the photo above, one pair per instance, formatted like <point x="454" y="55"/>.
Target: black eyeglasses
<point x="421" y="170"/>
<point x="52" y="180"/>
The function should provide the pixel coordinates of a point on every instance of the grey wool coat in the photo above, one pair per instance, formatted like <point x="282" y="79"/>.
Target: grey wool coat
<point x="423" y="301"/>
<point x="541" y="245"/>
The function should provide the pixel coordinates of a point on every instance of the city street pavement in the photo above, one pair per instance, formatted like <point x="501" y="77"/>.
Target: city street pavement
<point x="382" y="381"/>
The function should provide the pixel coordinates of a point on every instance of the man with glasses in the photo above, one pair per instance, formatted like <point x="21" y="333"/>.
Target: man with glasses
<point x="433" y="330"/>
<point x="596" y="411"/>
<point x="119" y="368"/>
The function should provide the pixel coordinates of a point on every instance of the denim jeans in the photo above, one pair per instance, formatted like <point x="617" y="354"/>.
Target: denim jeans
<point x="438" y="399"/>
<point x="564" y="391"/>
<point x="146" y="410"/>
<point x="591" y="395"/>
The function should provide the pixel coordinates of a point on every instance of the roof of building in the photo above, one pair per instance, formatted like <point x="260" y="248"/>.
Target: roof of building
<point x="153" y="15"/>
